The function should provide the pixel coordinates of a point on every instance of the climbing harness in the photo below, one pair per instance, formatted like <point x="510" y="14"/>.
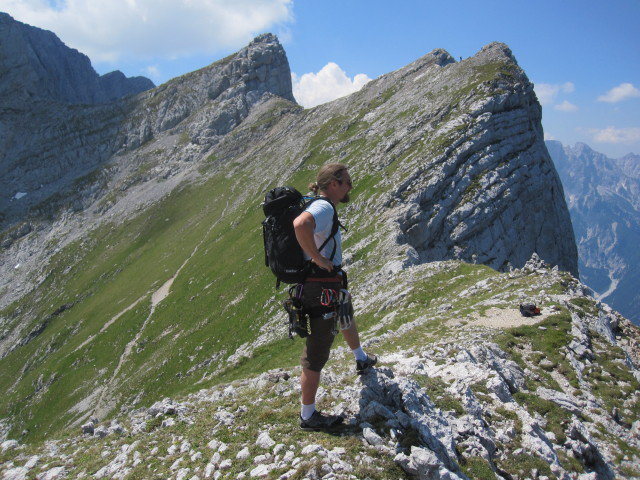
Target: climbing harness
<point x="335" y="306"/>
<point x="299" y="321"/>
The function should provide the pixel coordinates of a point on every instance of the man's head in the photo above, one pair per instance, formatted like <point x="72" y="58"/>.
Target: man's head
<point x="334" y="182"/>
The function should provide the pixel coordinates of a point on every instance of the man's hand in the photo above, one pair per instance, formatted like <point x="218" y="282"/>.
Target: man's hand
<point x="324" y="263"/>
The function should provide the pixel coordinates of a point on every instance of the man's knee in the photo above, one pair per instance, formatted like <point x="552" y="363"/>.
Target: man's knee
<point x="315" y="362"/>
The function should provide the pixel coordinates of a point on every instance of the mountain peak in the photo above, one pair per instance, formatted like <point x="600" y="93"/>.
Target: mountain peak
<point x="265" y="38"/>
<point x="498" y="49"/>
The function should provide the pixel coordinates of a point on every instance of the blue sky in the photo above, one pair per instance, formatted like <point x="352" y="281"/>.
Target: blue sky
<point x="583" y="56"/>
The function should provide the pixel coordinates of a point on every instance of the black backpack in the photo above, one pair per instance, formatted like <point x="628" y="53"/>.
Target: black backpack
<point x="282" y="252"/>
<point x="529" y="310"/>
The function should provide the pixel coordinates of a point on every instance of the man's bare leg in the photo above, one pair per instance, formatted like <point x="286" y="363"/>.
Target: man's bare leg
<point x="309" y="382"/>
<point x="351" y="336"/>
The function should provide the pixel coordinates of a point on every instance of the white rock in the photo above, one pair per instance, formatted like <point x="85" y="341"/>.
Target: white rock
<point x="182" y="473"/>
<point x="289" y="474"/>
<point x="224" y="417"/>
<point x="8" y="445"/>
<point x="213" y="444"/>
<point x="265" y="441"/>
<point x="372" y="437"/>
<point x="225" y="464"/>
<point x="312" y="448"/>
<point x="260" y="471"/>
<point x="17" y="473"/>
<point x="288" y="457"/>
<point x="243" y="454"/>
<point x="32" y="462"/>
<point x="168" y="422"/>
<point x="209" y="469"/>
<point x="52" y="474"/>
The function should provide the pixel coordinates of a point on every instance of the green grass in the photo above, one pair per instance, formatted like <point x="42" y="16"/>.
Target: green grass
<point x="478" y="468"/>
<point x="436" y="389"/>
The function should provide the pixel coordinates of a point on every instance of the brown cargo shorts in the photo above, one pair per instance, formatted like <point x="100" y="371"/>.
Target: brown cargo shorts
<point x="318" y="343"/>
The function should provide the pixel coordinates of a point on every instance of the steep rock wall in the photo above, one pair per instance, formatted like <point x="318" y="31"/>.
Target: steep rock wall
<point x="49" y="147"/>
<point x="35" y="64"/>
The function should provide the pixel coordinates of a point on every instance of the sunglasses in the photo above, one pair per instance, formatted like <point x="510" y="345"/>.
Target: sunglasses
<point x="348" y="182"/>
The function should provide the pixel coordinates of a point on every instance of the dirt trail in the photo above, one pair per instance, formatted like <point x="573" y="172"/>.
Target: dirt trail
<point x="508" y="318"/>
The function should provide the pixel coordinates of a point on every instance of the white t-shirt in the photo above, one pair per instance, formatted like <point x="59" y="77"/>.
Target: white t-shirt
<point x="322" y="212"/>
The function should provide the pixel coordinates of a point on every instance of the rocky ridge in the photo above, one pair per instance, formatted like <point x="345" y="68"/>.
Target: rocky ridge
<point x="485" y="405"/>
<point x="603" y="197"/>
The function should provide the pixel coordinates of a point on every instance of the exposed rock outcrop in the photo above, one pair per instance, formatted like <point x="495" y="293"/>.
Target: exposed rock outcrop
<point x="51" y="151"/>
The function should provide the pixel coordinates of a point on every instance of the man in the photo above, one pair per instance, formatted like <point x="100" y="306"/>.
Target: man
<point x="312" y="228"/>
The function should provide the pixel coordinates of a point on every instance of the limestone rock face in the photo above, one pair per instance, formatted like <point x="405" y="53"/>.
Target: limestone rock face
<point x="50" y="148"/>
<point x="35" y="64"/>
<point x="491" y="195"/>
<point x="603" y="197"/>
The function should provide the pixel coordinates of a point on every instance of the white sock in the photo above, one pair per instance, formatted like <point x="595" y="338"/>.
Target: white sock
<point x="359" y="354"/>
<point x="307" y="411"/>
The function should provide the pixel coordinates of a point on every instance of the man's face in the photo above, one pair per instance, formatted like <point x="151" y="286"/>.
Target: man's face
<point x="345" y="187"/>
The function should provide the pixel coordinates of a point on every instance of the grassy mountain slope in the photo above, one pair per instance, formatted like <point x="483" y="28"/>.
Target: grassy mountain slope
<point x="431" y="336"/>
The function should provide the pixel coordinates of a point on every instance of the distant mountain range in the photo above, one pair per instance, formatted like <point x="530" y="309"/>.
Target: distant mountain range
<point x="603" y="196"/>
<point x="36" y="65"/>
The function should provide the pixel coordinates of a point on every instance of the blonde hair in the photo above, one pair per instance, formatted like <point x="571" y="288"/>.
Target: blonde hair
<point x="327" y="174"/>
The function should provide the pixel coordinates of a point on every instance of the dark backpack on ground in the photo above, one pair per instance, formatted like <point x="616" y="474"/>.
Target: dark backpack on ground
<point x="529" y="310"/>
<point x="282" y="252"/>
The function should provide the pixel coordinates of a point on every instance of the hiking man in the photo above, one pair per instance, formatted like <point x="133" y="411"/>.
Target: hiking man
<point x="312" y="227"/>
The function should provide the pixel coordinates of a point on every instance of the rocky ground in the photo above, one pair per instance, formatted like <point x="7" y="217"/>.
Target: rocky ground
<point x="454" y="396"/>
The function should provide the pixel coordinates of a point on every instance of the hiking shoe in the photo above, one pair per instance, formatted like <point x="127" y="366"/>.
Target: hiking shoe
<point x="319" y="421"/>
<point x="363" y="365"/>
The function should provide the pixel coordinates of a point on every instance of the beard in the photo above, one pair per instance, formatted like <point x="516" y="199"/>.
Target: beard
<point x="345" y="199"/>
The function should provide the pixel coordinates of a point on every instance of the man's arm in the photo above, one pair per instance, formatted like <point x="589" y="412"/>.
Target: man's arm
<point x="304" y="226"/>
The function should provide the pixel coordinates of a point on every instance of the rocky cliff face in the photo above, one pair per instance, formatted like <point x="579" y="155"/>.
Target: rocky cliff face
<point x="51" y="149"/>
<point x="35" y="64"/>
<point x="603" y="196"/>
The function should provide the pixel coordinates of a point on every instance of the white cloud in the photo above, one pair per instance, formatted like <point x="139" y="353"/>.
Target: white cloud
<point x="616" y="135"/>
<point x="619" y="93"/>
<point x="329" y="83"/>
<point x="153" y="72"/>
<point x="116" y="29"/>
<point x="547" y="92"/>
<point x="566" y="107"/>
<point x="548" y="136"/>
